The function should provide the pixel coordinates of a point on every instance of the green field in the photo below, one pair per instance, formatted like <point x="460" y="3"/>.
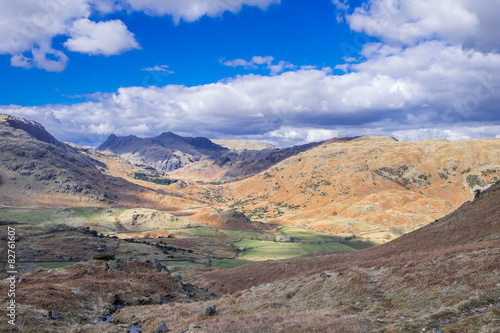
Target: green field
<point x="309" y="236"/>
<point x="28" y="216"/>
<point x="204" y="241"/>
<point x="75" y="216"/>
<point x="267" y="250"/>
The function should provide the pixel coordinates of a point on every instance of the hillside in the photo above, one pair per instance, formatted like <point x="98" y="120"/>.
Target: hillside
<point x="474" y="224"/>
<point x="442" y="277"/>
<point x="201" y="157"/>
<point x="172" y="235"/>
<point x="373" y="187"/>
<point x="368" y="184"/>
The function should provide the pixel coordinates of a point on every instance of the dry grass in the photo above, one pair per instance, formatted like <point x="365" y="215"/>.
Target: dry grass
<point x="444" y="276"/>
<point x="44" y="290"/>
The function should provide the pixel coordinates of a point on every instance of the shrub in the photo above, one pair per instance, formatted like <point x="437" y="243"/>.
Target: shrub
<point x="104" y="256"/>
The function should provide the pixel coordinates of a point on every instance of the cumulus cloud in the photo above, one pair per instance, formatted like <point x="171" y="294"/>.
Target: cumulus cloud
<point x="259" y="61"/>
<point x="39" y="59"/>
<point x="27" y="27"/>
<point x="192" y="10"/>
<point x="405" y="89"/>
<point x="106" y="38"/>
<point x="466" y="22"/>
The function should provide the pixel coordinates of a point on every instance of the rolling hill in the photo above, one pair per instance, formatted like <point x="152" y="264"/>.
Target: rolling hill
<point x="442" y="277"/>
<point x="366" y="184"/>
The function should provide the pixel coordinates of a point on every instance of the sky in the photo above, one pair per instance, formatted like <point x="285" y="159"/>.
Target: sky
<point x="281" y="71"/>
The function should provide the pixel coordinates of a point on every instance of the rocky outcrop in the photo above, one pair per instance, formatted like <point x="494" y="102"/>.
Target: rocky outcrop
<point x="33" y="128"/>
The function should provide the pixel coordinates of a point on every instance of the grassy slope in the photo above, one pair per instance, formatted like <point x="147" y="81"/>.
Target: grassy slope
<point x="445" y="276"/>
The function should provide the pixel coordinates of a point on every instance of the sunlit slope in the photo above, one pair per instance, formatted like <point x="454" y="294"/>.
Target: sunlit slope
<point x="369" y="183"/>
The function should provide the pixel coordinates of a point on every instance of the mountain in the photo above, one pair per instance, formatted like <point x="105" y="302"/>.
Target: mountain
<point x="252" y="162"/>
<point x="165" y="152"/>
<point x="441" y="274"/>
<point x="38" y="170"/>
<point x="231" y="159"/>
<point x="365" y="185"/>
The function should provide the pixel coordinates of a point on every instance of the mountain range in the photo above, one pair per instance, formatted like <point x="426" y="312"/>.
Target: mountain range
<point x="346" y="185"/>
<point x="442" y="277"/>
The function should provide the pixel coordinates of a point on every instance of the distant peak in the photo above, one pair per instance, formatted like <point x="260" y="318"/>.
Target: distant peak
<point x="109" y="141"/>
<point x="168" y="134"/>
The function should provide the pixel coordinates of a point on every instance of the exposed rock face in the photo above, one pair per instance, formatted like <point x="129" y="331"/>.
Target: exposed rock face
<point x="165" y="152"/>
<point x="55" y="315"/>
<point x="162" y="329"/>
<point x="33" y="128"/>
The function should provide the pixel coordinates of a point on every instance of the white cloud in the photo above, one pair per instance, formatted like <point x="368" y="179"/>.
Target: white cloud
<point x="39" y="60"/>
<point x="257" y="61"/>
<point x="342" y="8"/>
<point x="253" y="63"/>
<point x="106" y="38"/>
<point x="401" y="89"/>
<point x="280" y="67"/>
<point x="162" y="68"/>
<point x="471" y="23"/>
<point x="192" y="10"/>
<point x="27" y="27"/>
<point x="19" y="60"/>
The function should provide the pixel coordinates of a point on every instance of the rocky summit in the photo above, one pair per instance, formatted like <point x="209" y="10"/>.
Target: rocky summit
<point x="165" y="152"/>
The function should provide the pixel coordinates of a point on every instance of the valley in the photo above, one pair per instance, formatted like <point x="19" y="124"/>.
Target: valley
<point x="360" y="234"/>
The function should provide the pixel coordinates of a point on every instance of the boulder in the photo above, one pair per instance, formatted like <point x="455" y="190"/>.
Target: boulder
<point x="162" y="328"/>
<point x="156" y="264"/>
<point x="135" y="329"/>
<point x="209" y="311"/>
<point x="55" y="315"/>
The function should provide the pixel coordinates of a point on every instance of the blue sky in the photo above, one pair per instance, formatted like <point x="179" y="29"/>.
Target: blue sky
<point x="290" y="31"/>
<point x="286" y="72"/>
